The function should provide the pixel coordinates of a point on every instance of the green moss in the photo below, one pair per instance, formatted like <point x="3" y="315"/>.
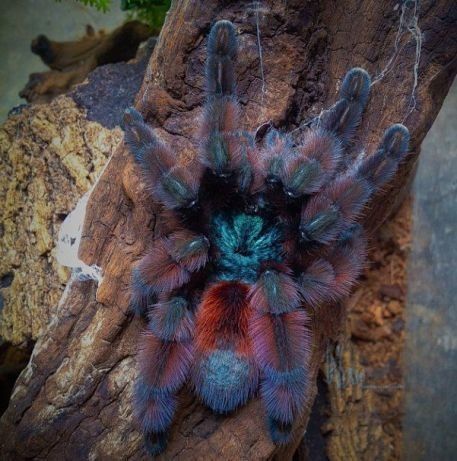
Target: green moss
<point x="101" y="5"/>
<point x="151" y="12"/>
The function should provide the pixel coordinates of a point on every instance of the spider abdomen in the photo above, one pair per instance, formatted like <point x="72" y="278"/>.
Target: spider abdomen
<point x="225" y="374"/>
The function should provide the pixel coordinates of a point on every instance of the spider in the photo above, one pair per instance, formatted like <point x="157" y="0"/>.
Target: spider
<point x="261" y="235"/>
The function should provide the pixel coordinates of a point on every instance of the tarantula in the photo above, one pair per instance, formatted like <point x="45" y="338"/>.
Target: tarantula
<point x="262" y="235"/>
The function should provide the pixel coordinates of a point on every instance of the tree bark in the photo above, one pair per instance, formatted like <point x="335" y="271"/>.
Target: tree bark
<point x="51" y="155"/>
<point x="73" y="401"/>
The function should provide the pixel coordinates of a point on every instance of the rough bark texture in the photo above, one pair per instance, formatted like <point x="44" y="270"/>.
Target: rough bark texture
<point x="73" y="401"/>
<point x="50" y="155"/>
<point x="364" y="370"/>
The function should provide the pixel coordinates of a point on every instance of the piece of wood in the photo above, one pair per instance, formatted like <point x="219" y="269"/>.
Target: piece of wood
<point x="74" y="398"/>
<point x="71" y="62"/>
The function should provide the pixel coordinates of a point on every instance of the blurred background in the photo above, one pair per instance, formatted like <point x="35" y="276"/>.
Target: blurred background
<point x="22" y="21"/>
<point x="404" y="319"/>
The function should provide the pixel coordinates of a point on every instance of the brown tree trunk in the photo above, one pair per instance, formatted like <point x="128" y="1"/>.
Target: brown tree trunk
<point x="73" y="401"/>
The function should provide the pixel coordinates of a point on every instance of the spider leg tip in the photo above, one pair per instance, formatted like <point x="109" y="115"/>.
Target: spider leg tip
<point x="222" y="38"/>
<point x="396" y="138"/>
<point x="356" y="85"/>
<point x="155" y="443"/>
<point x="131" y="115"/>
<point x="280" y="433"/>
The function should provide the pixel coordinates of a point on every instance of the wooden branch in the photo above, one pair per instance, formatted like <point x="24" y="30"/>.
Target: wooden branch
<point x="74" y="398"/>
<point x="71" y="62"/>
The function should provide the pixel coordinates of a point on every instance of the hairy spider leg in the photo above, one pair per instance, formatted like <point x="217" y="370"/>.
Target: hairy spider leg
<point x="170" y="183"/>
<point x="281" y="344"/>
<point x="220" y="139"/>
<point x="340" y="204"/>
<point x="329" y="278"/>
<point x="167" y="266"/>
<point x="165" y="356"/>
<point x="317" y="158"/>
<point x="343" y="118"/>
<point x="320" y="152"/>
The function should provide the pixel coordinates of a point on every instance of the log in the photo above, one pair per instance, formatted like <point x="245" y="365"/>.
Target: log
<point x="71" y="62"/>
<point x="74" y="398"/>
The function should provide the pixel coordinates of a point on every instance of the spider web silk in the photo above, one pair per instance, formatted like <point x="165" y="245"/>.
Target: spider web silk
<point x="257" y="8"/>
<point x="69" y="241"/>
<point x="408" y="24"/>
<point x="67" y="251"/>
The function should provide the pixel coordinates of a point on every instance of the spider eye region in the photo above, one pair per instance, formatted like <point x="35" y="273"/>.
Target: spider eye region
<point x="243" y="243"/>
